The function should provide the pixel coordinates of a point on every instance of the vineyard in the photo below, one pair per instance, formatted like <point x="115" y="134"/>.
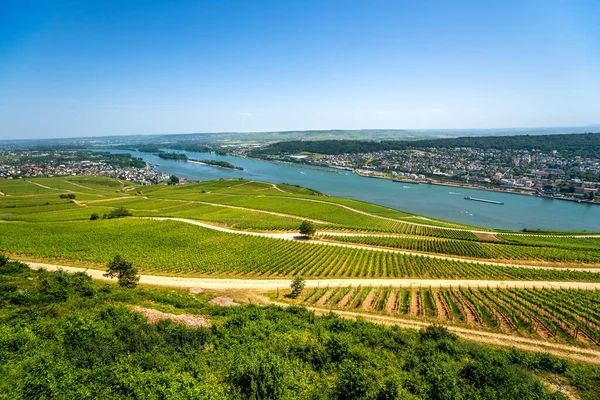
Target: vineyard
<point x="259" y="206"/>
<point x="586" y="252"/>
<point x="170" y="247"/>
<point x="558" y="314"/>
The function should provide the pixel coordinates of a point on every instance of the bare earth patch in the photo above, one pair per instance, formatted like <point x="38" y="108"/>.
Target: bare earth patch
<point x="223" y="302"/>
<point x="154" y="317"/>
<point x="390" y="307"/>
<point x="487" y="236"/>
<point x="344" y="301"/>
<point x="196" y="290"/>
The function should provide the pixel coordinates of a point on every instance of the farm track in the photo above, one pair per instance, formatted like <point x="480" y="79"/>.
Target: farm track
<point x="316" y="221"/>
<point x="84" y="187"/>
<point x="295" y="236"/>
<point x="273" y="284"/>
<point x="44" y="186"/>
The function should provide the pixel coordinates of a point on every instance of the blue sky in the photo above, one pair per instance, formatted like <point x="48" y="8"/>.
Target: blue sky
<point x="83" y="68"/>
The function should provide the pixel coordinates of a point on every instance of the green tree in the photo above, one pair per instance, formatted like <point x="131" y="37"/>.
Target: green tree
<point x="125" y="272"/>
<point x="94" y="217"/>
<point x="307" y="228"/>
<point x="297" y="286"/>
<point x="118" y="213"/>
<point x="173" y="180"/>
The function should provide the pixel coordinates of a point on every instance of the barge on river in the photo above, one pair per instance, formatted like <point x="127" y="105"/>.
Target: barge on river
<point x="484" y="200"/>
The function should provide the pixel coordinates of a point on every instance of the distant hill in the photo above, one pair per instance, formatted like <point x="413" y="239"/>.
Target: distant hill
<point x="278" y="136"/>
<point x="587" y="144"/>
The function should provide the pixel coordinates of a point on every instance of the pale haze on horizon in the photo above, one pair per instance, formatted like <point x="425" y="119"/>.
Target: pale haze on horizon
<point x="71" y="69"/>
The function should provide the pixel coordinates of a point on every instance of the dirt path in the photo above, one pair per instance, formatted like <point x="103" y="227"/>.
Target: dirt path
<point x="390" y="306"/>
<point x="2" y="194"/>
<point x="296" y="236"/>
<point x="316" y="221"/>
<point x="323" y="299"/>
<point x="344" y="301"/>
<point x="488" y="338"/>
<point x="44" y="186"/>
<point x="277" y="188"/>
<point x="84" y="187"/>
<point x="273" y="284"/>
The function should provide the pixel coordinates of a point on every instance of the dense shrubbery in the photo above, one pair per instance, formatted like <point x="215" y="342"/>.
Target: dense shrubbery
<point x="119" y="212"/>
<point x="64" y="336"/>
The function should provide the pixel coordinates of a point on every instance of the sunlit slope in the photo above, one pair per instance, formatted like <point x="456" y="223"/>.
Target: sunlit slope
<point x="50" y="218"/>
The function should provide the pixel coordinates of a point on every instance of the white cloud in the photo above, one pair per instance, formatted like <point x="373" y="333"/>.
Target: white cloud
<point x="244" y="114"/>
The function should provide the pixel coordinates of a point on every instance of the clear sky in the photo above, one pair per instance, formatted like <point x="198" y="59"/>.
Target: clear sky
<point x="83" y="68"/>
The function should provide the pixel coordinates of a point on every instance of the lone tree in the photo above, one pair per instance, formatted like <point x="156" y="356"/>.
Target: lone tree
<point x="124" y="271"/>
<point x="173" y="180"/>
<point x="297" y="286"/>
<point x="94" y="217"/>
<point x="307" y="228"/>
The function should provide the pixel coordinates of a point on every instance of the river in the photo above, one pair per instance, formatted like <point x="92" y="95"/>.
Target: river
<point x="434" y="201"/>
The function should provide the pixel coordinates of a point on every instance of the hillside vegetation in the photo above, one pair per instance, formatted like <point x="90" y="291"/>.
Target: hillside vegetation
<point x="64" y="336"/>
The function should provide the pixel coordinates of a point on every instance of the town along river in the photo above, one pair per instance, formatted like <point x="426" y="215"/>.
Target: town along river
<point x="436" y="201"/>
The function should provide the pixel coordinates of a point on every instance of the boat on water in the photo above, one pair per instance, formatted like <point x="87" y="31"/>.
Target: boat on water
<point x="484" y="200"/>
<point x="406" y="181"/>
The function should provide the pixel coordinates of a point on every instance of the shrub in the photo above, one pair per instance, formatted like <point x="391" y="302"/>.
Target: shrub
<point x="436" y="332"/>
<point x="297" y="286"/>
<point x="307" y="228"/>
<point x="124" y="271"/>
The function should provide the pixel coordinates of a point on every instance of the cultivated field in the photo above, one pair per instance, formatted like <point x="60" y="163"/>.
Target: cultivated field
<point x="559" y="314"/>
<point x="240" y="229"/>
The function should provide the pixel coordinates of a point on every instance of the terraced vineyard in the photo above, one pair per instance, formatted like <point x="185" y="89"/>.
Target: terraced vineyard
<point x="244" y="230"/>
<point x="170" y="247"/>
<point x="586" y="252"/>
<point x="560" y="314"/>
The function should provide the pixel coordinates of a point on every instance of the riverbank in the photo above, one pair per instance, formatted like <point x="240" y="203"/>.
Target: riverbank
<point x="475" y="187"/>
<point x="519" y="212"/>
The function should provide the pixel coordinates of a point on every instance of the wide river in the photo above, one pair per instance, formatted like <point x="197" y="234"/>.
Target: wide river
<point x="435" y="201"/>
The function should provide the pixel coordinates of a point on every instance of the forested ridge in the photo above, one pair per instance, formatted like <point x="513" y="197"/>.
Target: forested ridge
<point x="585" y="144"/>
